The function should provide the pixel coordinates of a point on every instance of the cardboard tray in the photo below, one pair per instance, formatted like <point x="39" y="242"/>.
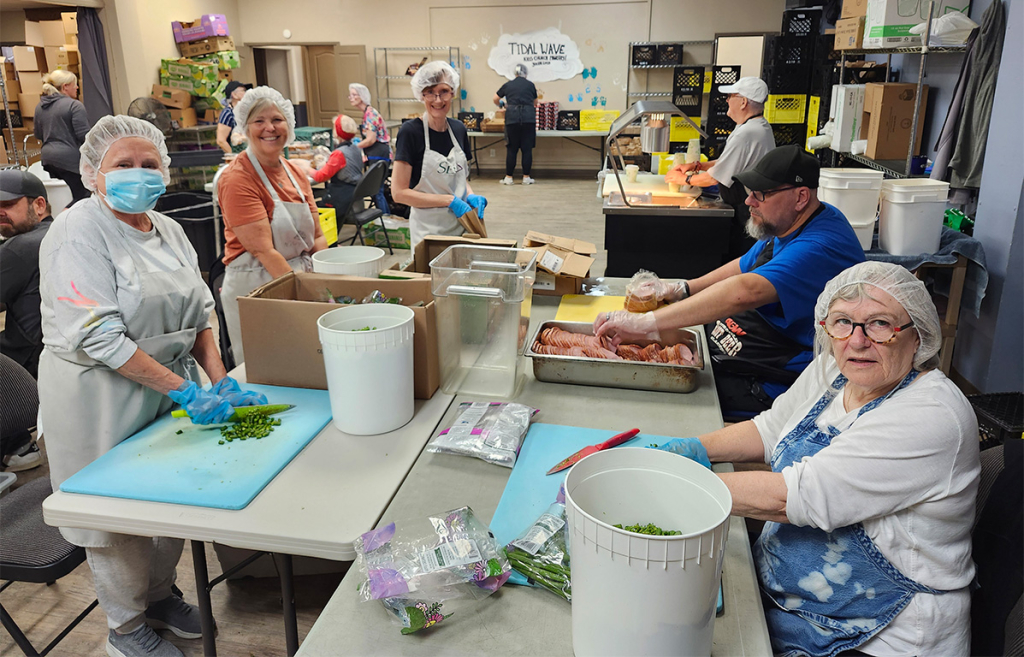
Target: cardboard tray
<point x="660" y="377"/>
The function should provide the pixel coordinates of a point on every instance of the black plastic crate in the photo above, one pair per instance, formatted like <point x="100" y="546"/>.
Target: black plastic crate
<point x="16" y="120"/>
<point x="785" y="79"/>
<point x="713" y="147"/>
<point x="801" y="22"/>
<point x="791" y="51"/>
<point x="722" y="75"/>
<point x="688" y="89"/>
<point x="1000" y="416"/>
<point x="194" y="213"/>
<point x="644" y="54"/>
<point x="568" y="120"/>
<point x="471" y="120"/>
<point x="790" y="133"/>
<point x="670" y="54"/>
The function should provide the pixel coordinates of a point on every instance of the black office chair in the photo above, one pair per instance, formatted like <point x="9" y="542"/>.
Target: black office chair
<point x="368" y="185"/>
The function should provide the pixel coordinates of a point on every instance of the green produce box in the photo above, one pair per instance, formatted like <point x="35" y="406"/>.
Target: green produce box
<point x="188" y="68"/>
<point x="203" y="104"/>
<point x="397" y="229"/>
<point x="205" y="88"/>
<point x="225" y="59"/>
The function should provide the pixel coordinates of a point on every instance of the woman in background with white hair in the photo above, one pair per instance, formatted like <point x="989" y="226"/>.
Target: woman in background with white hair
<point x="875" y="466"/>
<point x="519" y="98"/>
<point x="376" y="142"/>
<point x="271" y="224"/>
<point x="126" y="317"/>
<point x="431" y="165"/>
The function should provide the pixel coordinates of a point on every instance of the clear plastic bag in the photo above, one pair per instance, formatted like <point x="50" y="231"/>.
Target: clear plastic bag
<point x="425" y="576"/>
<point x="541" y="552"/>
<point x="492" y="431"/>
<point x="642" y="292"/>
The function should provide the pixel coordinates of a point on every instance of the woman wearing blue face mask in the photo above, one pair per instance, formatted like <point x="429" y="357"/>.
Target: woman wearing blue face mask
<point x="125" y="320"/>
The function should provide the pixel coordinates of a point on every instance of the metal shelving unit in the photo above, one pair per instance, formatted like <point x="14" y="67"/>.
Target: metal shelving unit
<point x="647" y="93"/>
<point x="383" y="76"/>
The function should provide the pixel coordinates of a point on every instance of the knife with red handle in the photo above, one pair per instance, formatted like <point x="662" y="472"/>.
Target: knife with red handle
<point x="614" y="441"/>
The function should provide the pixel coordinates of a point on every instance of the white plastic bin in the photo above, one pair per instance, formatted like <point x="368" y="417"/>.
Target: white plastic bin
<point x="911" y="214"/>
<point x="365" y="261"/>
<point x="644" y="595"/>
<point x="865" y="230"/>
<point x="854" y="191"/>
<point x="369" y="373"/>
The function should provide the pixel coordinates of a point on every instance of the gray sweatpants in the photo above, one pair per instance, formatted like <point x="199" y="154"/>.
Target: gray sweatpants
<point x="131" y="575"/>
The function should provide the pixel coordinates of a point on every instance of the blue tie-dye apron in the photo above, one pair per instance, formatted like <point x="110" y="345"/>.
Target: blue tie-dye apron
<point x="826" y="592"/>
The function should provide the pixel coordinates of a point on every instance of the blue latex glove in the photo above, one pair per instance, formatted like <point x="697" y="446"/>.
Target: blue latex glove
<point x="227" y="388"/>
<point x="459" y="207"/>
<point x="478" y="202"/>
<point x="691" y="448"/>
<point x="356" y="140"/>
<point x="202" y="406"/>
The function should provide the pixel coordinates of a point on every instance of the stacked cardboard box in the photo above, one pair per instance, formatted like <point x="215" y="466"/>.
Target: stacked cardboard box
<point x="50" y="45"/>
<point x="562" y="263"/>
<point x="208" y="60"/>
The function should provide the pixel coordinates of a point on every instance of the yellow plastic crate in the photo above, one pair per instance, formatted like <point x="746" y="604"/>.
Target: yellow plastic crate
<point x="813" y="107"/>
<point x="597" y="119"/>
<point x="680" y="130"/>
<point x="787" y="108"/>
<point x="329" y="224"/>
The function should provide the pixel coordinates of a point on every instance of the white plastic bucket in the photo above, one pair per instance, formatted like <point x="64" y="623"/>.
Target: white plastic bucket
<point x="913" y="190"/>
<point x="365" y="261"/>
<point x="369" y="373"/>
<point x="854" y="192"/>
<point x="865" y="230"/>
<point x="910" y="228"/>
<point x="58" y="194"/>
<point x="644" y="595"/>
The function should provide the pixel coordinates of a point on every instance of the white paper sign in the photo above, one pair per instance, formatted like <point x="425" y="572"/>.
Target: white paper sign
<point x="548" y="55"/>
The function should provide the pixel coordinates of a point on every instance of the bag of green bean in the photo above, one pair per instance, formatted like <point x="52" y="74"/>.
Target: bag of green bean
<point x="540" y="554"/>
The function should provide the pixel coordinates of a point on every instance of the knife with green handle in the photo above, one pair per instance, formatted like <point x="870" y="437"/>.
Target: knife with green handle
<point x="242" y="411"/>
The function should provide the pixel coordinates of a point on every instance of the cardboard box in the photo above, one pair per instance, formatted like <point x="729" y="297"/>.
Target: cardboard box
<point x="171" y="97"/>
<point x="204" y="104"/>
<point x="28" y="124"/>
<point x="29" y="58"/>
<point x="209" y="116"/>
<point x="69" y="19"/>
<point x="27" y="103"/>
<point x="889" y="118"/>
<point x="227" y="75"/>
<point x="204" y="27"/>
<point x="854" y="8"/>
<point x="888" y="22"/>
<point x="67" y="56"/>
<point x="397" y="231"/>
<point x="850" y="33"/>
<point x="188" y="69"/>
<point x="206" y="46"/>
<point x="31" y="82"/>
<point x="223" y="60"/>
<point x="44" y="33"/>
<point x="8" y="70"/>
<point x="848" y="101"/>
<point x="282" y="344"/>
<point x="14" y="88"/>
<point x="195" y="87"/>
<point x="434" y="245"/>
<point x="185" y="118"/>
<point x="562" y="262"/>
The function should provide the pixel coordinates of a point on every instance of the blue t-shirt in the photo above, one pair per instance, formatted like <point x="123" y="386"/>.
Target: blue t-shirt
<point x="227" y="117"/>
<point x="800" y="267"/>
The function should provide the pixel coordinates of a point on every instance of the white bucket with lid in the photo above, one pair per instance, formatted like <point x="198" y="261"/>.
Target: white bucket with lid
<point x="644" y="595"/>
<point x="369" y="372"/>
<point x="365" y="261"/>
<point x="865" y="230"/>
<point x="911" y="214"/>
<point x="854" y="192"/>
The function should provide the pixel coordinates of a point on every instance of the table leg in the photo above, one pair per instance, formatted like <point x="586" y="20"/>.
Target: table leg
<point x="476" y="155"/>
<point x="291" y="629"/>
<point x="203" y="593"/>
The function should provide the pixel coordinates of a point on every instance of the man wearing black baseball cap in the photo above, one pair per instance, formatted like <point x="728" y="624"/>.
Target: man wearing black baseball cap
<point x="758" y="310"/>
<point x="233" y="93"/>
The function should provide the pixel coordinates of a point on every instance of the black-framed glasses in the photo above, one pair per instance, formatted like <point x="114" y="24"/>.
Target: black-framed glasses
<point x="760" y="196"/>
<point x="440" y="95"/>
<point x="878" y="331"/>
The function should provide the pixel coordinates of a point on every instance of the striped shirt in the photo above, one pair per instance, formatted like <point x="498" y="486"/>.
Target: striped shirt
<point x="227" y="117"/>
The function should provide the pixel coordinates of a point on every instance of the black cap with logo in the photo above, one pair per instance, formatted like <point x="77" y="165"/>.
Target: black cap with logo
<point x="15" y="183"/>
<point x="235" y="84"/>
<point x="786" y="165"/>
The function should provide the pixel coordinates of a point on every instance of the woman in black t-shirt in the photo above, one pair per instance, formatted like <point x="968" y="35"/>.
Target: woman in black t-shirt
<point x="519" y="97"/>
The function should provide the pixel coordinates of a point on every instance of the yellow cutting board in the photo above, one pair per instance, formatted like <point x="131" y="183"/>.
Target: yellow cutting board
<point x="582" y="308"/>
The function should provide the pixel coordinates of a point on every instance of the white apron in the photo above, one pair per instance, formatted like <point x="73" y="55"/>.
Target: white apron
<point x="293" y="232"/>
<point x="89" y="408"/>
<point x="439" y="175"/>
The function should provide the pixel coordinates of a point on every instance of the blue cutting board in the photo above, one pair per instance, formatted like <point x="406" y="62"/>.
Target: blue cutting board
<point x="159" y="465"/>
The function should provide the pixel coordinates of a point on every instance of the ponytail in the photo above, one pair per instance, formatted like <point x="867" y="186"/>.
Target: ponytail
<point x="55" y="80"/>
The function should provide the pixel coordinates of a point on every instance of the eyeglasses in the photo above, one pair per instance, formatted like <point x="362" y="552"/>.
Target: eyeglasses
<point x="760" y="196"/>
<point x="441" y="95"/>
<point x="878" y="331"/>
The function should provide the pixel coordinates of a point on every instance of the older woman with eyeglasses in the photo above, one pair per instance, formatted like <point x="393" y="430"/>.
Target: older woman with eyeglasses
<point x="431" y="171"/>
<point x="871" y="498"/>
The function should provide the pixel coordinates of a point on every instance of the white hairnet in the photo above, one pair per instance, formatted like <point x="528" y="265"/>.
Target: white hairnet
<point x="361" y="91"/>
<point x="903" y="286"/>
<point x="434" y="73"/>
<point x="108" y="130"/>
<point x="256" y="94"/>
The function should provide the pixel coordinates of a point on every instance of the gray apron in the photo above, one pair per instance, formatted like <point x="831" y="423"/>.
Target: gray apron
<point x="293" y="232"/>
<point x="440" y="174"/>
<point x="89" y="408"/>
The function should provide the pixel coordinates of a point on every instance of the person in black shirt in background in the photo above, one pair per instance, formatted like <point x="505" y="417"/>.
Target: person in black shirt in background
<point x="519" y="98"/>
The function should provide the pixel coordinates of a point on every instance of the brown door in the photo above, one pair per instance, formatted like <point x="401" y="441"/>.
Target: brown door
<point x="329" y="71"/>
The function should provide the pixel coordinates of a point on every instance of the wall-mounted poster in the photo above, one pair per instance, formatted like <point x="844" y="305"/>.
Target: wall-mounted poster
<point x="548" y="54"/>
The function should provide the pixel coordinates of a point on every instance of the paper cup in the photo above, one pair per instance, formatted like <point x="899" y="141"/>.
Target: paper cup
<point x="631" y="171"/>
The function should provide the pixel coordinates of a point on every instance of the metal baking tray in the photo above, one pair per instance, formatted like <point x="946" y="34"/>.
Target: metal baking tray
<point x="634" y="375"/>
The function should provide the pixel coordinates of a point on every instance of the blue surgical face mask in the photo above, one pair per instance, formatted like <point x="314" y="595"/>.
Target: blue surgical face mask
<point x="133" y="191"/>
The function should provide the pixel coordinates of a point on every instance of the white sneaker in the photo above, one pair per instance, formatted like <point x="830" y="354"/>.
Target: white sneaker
<point x="29" y="458"/>
<point x="507" y="180"/>
<point x="527" y="180"/>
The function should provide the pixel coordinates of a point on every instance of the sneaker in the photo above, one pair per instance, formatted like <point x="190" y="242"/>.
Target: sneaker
<point x="29" y="458"/>
<point x="174" y="614"/>
<point x="507" y="180"/>
<point x="527" y="180"/>
<point x="143" y="642"/>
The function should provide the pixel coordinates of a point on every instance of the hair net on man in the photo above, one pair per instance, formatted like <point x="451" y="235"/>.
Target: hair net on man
<point x="272" y="95"/>
<point x="434" y="73"/>
<point x="898" y="282"/>
<point x="361" y="91"/>
<point x="108" y="130"/>
<point x="521" y="70"/>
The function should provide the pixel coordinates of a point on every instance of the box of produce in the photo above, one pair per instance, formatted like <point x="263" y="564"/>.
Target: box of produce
<point x="204" y="27"/>
<point x="204" y="88"/>
<point x="397" y="231"/>
<point x="206" y="46"/>
<point x="189" y="69"/>
<point x="223" y="60"/>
